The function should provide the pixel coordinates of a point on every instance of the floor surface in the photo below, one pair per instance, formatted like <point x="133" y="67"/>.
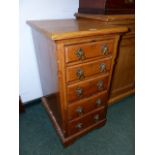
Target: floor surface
<point x="38" y="137"/>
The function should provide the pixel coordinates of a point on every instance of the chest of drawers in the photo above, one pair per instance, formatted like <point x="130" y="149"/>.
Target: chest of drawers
<point x="107" y="6"/>
<point x="75" y="60"/>
<point x="123" y="81"/>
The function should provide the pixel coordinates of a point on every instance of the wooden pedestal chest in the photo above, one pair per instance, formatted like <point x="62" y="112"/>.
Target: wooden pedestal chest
<point x="75" y="59"/>
<point x="123" y="81"/>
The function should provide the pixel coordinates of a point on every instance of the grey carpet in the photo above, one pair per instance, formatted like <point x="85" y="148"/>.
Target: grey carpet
<point x="38" y="137"/>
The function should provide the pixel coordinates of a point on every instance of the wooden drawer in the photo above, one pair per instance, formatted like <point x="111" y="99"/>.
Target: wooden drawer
<point x="84" y="106"/>
<point x="88" y="50"/>
<point x="83" y="71"/>
<point x="82" y="123"/>
<point x="87" y="88"/>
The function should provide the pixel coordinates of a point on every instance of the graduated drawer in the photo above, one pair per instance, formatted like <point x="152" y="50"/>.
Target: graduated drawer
<point x="87" y="88"/>
<point x="83" y="51"/>
<point x="84" y="70"/>
<point x="84" y="106"/>
<point x="90" y="119"/>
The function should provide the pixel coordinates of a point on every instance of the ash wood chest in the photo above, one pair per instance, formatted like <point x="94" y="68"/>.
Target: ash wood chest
<point x="123" y="80"/>
<point x="75" y="60"/>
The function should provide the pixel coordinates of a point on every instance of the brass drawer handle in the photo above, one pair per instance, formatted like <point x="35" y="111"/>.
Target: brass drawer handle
<point x="96" y="118"/>
<point x="98" y="102"/>
<point x="102" y="67"/>
<point x="79" y="92"/>
<point x="80" y="74"/>
<point x="80" y="54"/>
<point x="79" y="111"/>
<point x="79" y="126"/>
<point x="105" y="50"/>
<point x="100" y="85"/>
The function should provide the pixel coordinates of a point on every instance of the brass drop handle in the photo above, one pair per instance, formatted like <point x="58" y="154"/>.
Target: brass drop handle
<point x="79" y="126"/>
<point x="79" y="92"/>
<point x="79" y="110"/>
<point x="98" y="102"/>
<point x="100" y="85"/>
<point x="105" y="50"/>
<point x="102" y="67"/>
<point x="80" y="54"/>
<point x="96" y="118"/>
<point x="80" y="74"/>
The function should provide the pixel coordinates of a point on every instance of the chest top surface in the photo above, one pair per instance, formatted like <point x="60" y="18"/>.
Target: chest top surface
<point x="106" y="18"/>
<point x="72" y="28"/>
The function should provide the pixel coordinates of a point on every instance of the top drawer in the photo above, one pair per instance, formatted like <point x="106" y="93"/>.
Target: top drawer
<point x="81" y="52"/>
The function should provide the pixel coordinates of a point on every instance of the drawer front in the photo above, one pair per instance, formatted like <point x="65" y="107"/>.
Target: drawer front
<point x="86" y="121"/>
<point x="83" y="71"/>
<point x="81" y="52"/>
<point x="82" y="107"/>
<point x="86" y="88"/>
